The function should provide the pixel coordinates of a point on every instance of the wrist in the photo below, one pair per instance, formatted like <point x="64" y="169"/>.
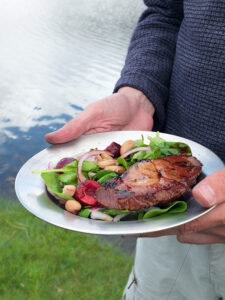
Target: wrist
<point x="137" y="97"/>
<point x="130" y="91"/>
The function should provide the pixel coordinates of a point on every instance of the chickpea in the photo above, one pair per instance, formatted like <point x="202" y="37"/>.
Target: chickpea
<point x="73" y="206"/>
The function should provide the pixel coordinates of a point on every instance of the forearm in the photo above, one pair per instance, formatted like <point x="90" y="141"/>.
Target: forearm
<point x="151" y="52"/>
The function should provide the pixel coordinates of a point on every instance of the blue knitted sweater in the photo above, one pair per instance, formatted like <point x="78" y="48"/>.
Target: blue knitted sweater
<point x="177" y="58"/>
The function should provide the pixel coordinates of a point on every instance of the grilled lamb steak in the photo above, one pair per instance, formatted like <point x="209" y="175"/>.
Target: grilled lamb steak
<point x="150" y="182"/>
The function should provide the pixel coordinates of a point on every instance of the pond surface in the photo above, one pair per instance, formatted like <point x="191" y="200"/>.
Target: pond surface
<point x="55" y="58"/>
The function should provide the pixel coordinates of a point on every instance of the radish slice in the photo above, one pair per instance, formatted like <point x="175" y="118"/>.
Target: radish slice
<point x="85" y="157"/>
<point x="50" y="165"/>
<point x="95" y="208"/>
<point x="98" y="215"/>
<point x="135" y="150"/>
<point x="119" y="217"/>
<point x="91" y="174"/>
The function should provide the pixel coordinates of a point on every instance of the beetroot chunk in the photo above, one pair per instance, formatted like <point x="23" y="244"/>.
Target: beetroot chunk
<point x="114" y="149"/>
<point x="85" y="192"/>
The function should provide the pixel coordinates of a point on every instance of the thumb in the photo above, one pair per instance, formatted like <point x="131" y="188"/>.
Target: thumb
<point x="72" y="129"/>
<point x="211" y="190"/>
<point x="69" y="131"/>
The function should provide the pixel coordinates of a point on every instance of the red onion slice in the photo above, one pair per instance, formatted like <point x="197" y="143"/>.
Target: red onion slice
<point x="85" y="157"/>
<point x="52" y="195"/>
<point x="55" y="197"/>
<point x="93" y="158"/>
<point x="95" y="208"/>
<point x="135" y="150"/>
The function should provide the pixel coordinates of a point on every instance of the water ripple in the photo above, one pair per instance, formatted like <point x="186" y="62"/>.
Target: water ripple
<point x="56" y="57"/>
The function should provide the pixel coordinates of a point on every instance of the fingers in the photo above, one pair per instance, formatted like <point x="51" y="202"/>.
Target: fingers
<point x="69" y="131"/>
<point x="218" y="230"/>
<point x="215" y="217"/>
<point x="171" y="231"/>
<point x="75" y="127"/>
<point x="200" y="238"/>
<point x="211" y="190"/>
<point x="211" y="236"/>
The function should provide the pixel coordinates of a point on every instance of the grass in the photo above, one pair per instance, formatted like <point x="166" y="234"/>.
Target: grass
<point x="41" y="261"/>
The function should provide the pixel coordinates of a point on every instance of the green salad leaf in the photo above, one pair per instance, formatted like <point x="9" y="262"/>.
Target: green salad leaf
<point x="69" y="172"/>
<point x="154" y="141"/>
<point x="174" y="207"/>
<point x="68" y="178"/>
<point x="71" y="166"/>
<point x="53" y="184"/>
<point x="168" y="148"/>
<point x="102" y="173"/>
<point x="84" y="212"/>
<point x="89" y="166"/>
<point x="122" y="161"/>
<point x="154" y="153"/>
<point x="107" y="177"/>
<point x="114" y="212"/>
<point x="140" y="142"/>
<point x="160" y="148"/>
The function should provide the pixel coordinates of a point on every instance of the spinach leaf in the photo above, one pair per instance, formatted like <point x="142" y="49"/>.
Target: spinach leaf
<point x="72" y="165"/>
<point x="89" y="166"/>
<point x="102" y="173"/>
<point x="107" y="177"/>
<point x="115" y="212"/>
<point x="122" y="161"/>
<point x="68" y="178"/>
<point x="53" y="184"/>
<point x="175" y="207"/>
<point x="84" y="212"/>
<point x="141" y="215"/>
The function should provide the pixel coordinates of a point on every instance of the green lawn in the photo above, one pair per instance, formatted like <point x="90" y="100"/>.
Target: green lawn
<point x="41" y="261"/>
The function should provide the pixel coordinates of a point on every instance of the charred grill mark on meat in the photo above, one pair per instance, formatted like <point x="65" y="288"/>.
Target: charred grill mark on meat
<point x="150" y="182"/>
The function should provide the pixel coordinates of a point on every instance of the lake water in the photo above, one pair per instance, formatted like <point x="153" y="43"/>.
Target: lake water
<point x="55" y="58"/>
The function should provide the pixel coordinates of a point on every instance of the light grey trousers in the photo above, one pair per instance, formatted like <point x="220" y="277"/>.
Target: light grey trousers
<point x="165" y="269"/>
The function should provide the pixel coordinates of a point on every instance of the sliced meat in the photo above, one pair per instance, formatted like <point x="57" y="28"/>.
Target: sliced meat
<point x="150" y="182"/>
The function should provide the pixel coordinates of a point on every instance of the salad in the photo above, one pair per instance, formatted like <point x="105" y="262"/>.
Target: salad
<point x="72" y="183"/>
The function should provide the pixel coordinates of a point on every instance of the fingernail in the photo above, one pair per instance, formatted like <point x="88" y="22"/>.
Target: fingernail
<point x="207" y="193"/>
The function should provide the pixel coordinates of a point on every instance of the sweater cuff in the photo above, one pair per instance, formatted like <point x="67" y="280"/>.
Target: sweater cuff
<point x="152" y="91"/>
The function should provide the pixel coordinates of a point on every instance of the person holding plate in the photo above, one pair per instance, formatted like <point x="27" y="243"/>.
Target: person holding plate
<point x="173" y="81"/>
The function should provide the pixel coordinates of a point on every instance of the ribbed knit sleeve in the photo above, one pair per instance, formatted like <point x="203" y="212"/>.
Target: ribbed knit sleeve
<point x="151" y="52"/>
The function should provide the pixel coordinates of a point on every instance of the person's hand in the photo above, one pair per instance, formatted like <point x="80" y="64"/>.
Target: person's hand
<point x="128" y="109"/>
<point x="210" y="228"/>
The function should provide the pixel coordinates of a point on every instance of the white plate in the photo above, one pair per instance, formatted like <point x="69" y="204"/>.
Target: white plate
<point x="31" y="192"/>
